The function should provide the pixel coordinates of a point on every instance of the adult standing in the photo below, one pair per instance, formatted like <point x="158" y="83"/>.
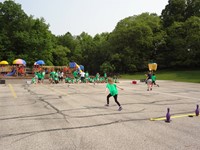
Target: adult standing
<point x="82" y="76"/>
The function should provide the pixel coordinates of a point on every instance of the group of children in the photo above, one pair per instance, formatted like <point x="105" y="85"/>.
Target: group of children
<point x="84" y="77"/>
<point x="76" y="77"/>
<point x="54" y="77"/>
<point x="111" y="87"/>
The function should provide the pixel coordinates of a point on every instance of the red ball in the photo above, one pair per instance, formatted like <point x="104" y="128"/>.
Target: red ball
<point x="134" y="82"/>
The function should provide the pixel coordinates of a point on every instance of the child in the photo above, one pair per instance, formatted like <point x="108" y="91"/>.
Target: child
<point x="82" y="76"/>
<point x="51" y="76"/>
<point x="113" y="92"/>
<point x="87" y="76"/>
<point x="56" y="78"/>
<point x="33" y="81"/>
<point x="154" y="80"/>
<point x="97" y="77"/>
<point x="43" y="76"/>
<point x="105" y="76"/>
<point x="149" y="81"/>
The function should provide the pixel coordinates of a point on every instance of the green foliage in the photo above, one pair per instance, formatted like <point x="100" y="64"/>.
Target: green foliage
<point x="171" y="40"/>
<point x="179" y="11"/>
<point x="22" y="36"/>
<point x="107" y="67"/>
<point x="59" y="55"/>
<point x="133" y="40"/>
<point x="192" y="8"/>
<point x="192" y="29"/>
<point x="174" y="11"/>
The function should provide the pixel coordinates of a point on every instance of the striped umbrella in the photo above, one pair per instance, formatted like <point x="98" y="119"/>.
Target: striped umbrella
<point x="19" y="62"/>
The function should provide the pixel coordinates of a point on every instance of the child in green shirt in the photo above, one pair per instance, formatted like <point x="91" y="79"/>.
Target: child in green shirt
<point x="113" y="91"/>
<point x="153" y="77"/>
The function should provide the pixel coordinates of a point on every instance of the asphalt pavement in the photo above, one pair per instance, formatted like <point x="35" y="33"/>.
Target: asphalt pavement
<point x="73" y="116"/>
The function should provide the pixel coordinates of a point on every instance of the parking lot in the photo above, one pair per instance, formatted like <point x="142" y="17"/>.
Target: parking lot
<point x="73" y="116"/>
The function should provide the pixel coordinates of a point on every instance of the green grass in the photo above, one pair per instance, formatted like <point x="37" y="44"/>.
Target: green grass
<point x="183" y="76"/>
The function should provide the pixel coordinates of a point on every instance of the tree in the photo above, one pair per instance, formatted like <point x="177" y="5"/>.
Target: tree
<point x="179" y="11"/>
<point x="132" y="42"/>
<point x="176" y="43"/>
<point x="192" y="38"/>
<point x="101" y="53"/>
<point x="192" y="8"/>
<point x="22" y="36"/>
<point x="84" y="50"/>
<point x="179" y="22"/>
<point x="106" y="67"/>
<point x="60" y="56"/>
<point x="40" y="42"/>
<point x="12" y="20"/>
<point x="67" y="40"/>
<point x="174" y="11"/>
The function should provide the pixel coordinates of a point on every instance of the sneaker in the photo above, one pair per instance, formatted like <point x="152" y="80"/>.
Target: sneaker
<point x="106" y="104"/>
<point x="120" y="108"/>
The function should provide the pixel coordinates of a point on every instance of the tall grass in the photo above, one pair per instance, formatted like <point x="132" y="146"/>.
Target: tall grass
<point x="183" y="76"/>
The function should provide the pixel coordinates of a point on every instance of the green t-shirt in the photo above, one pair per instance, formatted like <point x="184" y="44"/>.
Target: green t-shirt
<point x="112" y="88"/>
<point x="33" y="80"/>
<point x="39" y="74"/>
<point x="75" y="74"/>
<point x="56" y="76"/>
<point x="105" y="75"/>
<point x="52" y="74"/>
<point x="86" y="75"/>
<point x="97" y="75"/>
<point x="43" y="74"/>
<point x="153" y="78"/>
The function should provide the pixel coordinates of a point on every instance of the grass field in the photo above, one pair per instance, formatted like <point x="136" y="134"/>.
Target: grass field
<point x="183" y="76"/>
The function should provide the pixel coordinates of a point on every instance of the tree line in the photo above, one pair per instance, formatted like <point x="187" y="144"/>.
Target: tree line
<point x="171" y="40"/>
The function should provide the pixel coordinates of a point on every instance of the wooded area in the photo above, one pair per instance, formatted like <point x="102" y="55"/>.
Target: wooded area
<point x="172" y="40"/>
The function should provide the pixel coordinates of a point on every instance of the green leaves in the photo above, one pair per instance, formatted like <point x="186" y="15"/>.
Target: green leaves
<point x="60" y="56"/>
<point x="171" y="40"/>
<point x="133" y="40"/>
<point x="23" y="36"/>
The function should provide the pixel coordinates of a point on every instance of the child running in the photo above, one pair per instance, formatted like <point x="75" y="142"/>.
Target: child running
<point x="149" y="81"/>
<point x="154" y="80"/>
<point x="113" y="92"/>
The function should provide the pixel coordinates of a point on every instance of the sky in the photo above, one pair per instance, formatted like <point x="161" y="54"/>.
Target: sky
<point x="90" y="16"/>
